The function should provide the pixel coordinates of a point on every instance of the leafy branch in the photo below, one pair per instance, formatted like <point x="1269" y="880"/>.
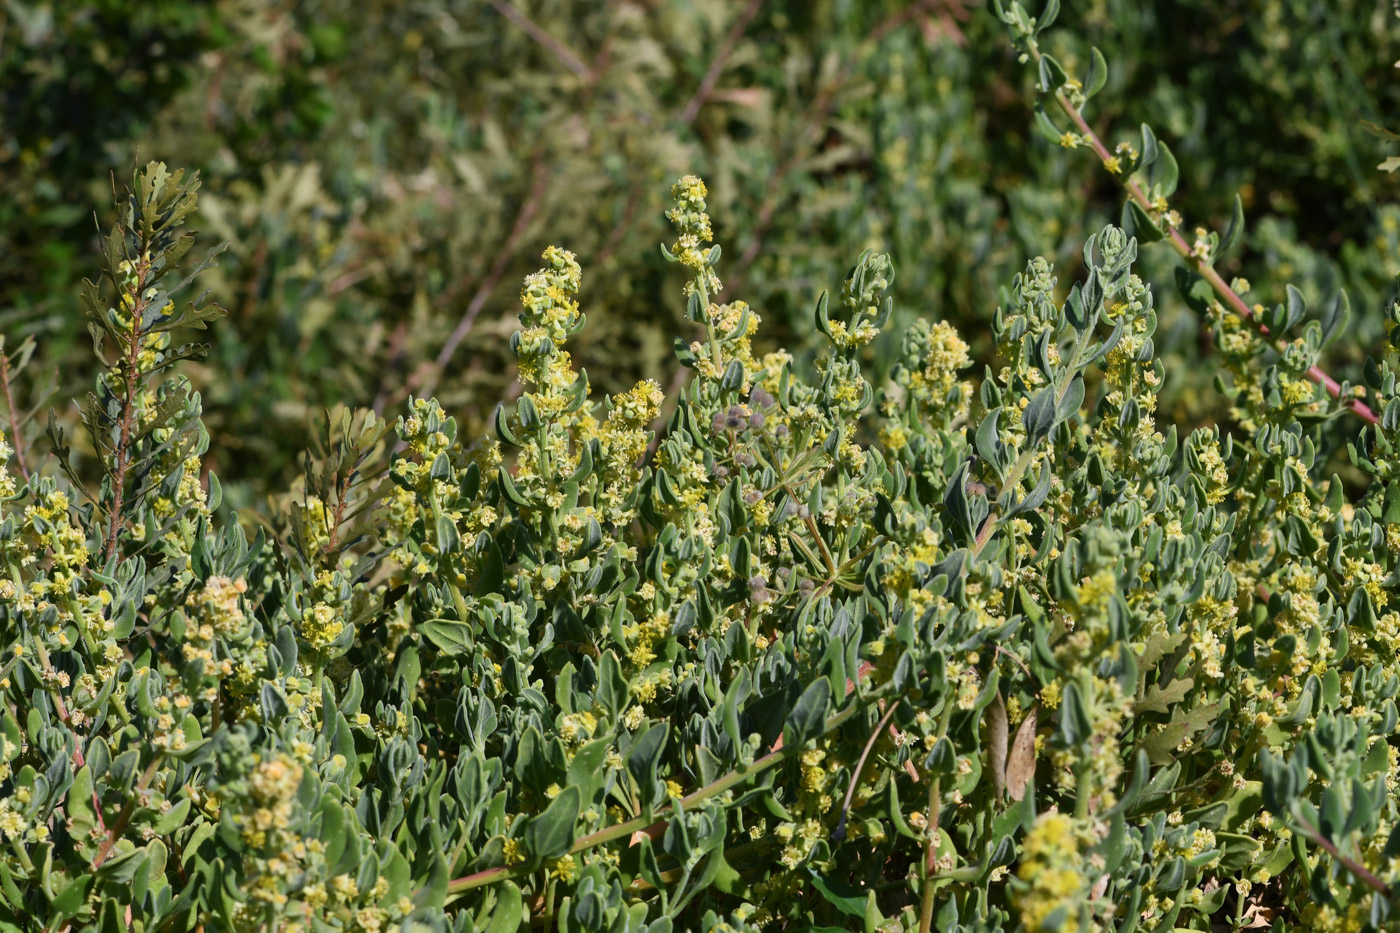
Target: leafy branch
<point x="782" y="751"/>
<point x="1151" y="219"/>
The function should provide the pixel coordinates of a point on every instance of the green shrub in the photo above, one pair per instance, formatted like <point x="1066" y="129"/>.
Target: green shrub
<point x="884" y="646"/>
<point x="369" y="160"/>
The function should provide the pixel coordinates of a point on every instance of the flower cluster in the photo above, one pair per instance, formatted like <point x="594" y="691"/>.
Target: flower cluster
<point x="1005" y="648"/>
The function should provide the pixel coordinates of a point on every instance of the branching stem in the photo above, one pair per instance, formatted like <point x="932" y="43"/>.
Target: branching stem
<point x="1201" y="264"/>
<point x="641" y="824"/>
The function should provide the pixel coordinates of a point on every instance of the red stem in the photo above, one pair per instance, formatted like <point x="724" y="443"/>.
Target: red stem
<point x="1202" y="265"/>
<point x="707" y="84"/>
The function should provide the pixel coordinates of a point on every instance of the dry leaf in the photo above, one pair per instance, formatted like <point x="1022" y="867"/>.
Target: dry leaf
<point x="1020" y="764"/>
<point x="997" y="729"/>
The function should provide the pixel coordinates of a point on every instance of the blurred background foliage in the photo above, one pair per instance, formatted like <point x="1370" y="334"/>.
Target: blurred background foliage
<point x="385" y="171"/>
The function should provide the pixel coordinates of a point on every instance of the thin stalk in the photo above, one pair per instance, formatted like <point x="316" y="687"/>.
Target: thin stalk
<point x="119" y="824"/>
<point x="1201" y="264"/>
<point x="640" y="824"/>
<point x="839" y="832"/>
<point x="122" y="455"/>
<point x="1350" y="864"/>
<point x="61" y="708"/>
<point x="707" y="84"/>
<point x="559" y="50"/>
<point x="935" y="807"/>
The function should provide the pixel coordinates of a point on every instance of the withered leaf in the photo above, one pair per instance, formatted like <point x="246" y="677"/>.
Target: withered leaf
<point x="997" y="729"/>
<point x="1020" y="763"/>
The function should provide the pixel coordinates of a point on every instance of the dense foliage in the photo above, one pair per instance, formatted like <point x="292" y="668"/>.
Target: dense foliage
<point x="848" y="633"/>
<point x="386" y="172"/>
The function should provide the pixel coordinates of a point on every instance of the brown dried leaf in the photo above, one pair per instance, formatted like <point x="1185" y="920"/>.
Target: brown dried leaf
<point x="1020" y="763"/>
<point x="997" y="729"/>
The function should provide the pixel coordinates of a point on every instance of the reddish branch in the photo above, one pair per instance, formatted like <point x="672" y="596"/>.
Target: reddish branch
<point x="120" y="823"/>
<point x="560" y="51"/>
<point x="1351" y="864"/>
<point x="61" y="708"/>
<point x="707" y="83"/>
<point x="1199" y="263"/>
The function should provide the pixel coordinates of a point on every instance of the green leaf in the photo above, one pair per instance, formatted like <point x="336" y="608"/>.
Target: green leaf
<point x="989" y="446"/>
<point x="1336" y="318"/>
<point x="493" y="572"/>
<point x="684" y="356"/>
<point x="509" y="911"/>
<point x="645" y="754"/>
<point x="1052" y="74"/>
<point x="1038" y="418"/>
<point x="448" y="635"/>
<point x="1297" y="306"/>
<point x="586" y="771"/>
<point x="550" y="834"/>
<point x="172" y="819"/>
<point x="808" y="716"/>
<point x="81" y="814"/>
<point x="1162" y="173"/>
<point x="823" y="316"/>
<point x="1160" y="699"/>
<point x="70" y="901"/>
<point x="503" y="430"/>
<point x="839" y="894"/>
<point x="1072" y="399"/>
<point x="507" y="484"/>
<point x="434" y="892"/>
<point x="1138" y="224"/>
<point x="1234" y="230"/>
<point x="447" y="537"/>
<point x="1098" y="73"/>
<point x="1047" y="126"/>
<point x="1238" y="852"/>
<point x="1196" y="291"/>
<point x="1074" y="718"/>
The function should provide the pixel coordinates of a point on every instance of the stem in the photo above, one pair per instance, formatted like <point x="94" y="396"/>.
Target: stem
<point x="608" y="834"/>
<point x="558" y="49"/>
<point x="716" y="352"/>
<point x="119" y="824"/>
<point x="1351" y="865"/>
<point x="61" y="708"/>
<point x="935" y="807"/>
<point x="707" y="84"/>
<point x="339" y="515"/>
<point x="122" y="455"/>
<point x="840" y="831"/>
<point x="14" y="422"/>
<point x="1199" y="263"/>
